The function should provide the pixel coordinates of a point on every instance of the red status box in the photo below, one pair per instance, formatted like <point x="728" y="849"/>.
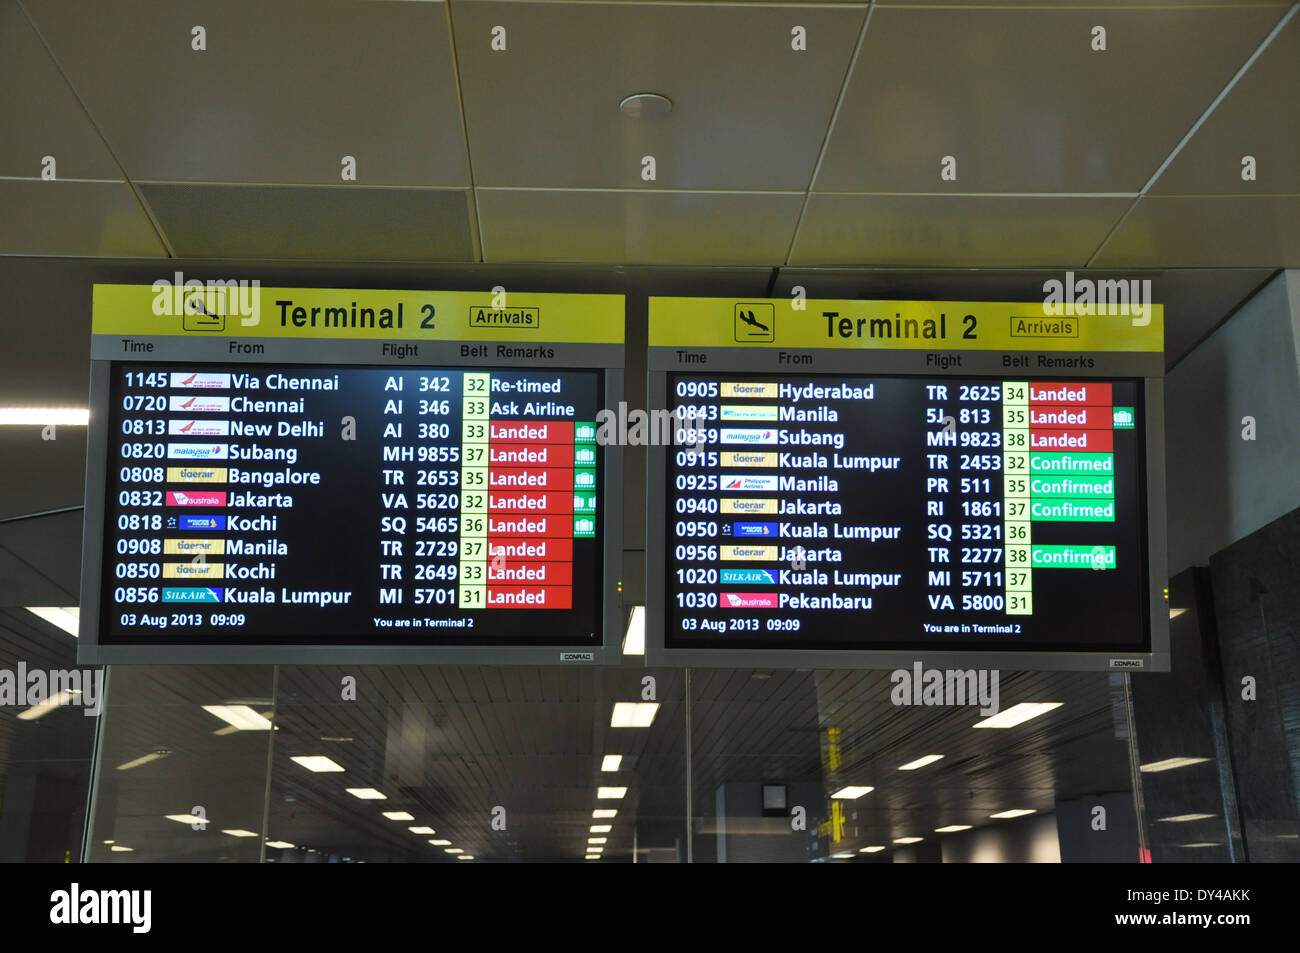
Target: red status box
<point x="1070" y="394"/>
<point x="530" y="597"/>
<point x="530" y="478"/>
<point x="1083" y="441"/>
<point x="536" y="574"/>
<point x="522" y="501"/>
<point x="530" y="431"/>
<point x="525" y="455"/>
<point x="531" y="549"/>
<point x="513" y="526"/>
<point x="1088" y="417"/>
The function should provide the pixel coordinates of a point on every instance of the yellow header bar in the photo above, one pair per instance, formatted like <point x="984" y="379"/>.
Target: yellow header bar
<point x="245" y="309"/>
<point x="1133" y="325"/>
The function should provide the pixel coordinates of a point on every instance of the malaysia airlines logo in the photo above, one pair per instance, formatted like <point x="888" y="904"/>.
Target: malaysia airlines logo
<point x="198" y="451"/>
<point x="746" y="435"/>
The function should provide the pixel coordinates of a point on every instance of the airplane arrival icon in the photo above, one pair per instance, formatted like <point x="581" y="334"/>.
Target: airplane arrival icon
<point x="755" y="322"/>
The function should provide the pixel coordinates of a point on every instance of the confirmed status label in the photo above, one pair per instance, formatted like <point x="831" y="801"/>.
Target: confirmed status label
<point x="825" y="511"/>
<point x="311" y="504"/>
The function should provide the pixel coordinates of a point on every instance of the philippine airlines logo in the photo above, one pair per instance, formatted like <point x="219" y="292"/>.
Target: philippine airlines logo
<point x="198" y="451"/>
<point x="746" y="435"/>
<point x="205" y="381"/>
<point x="758" y="484"/>
<point x="193" y="498"/>
<point x="199" y="428"/>
<point x="200" y="405"/>
<point x="750" y="600"/>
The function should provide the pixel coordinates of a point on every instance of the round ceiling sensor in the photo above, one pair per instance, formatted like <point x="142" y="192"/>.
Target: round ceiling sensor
<point x="645" y="106"/>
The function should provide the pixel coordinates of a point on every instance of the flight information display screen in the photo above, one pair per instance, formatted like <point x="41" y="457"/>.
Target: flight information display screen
<point x="351" y="505"/>
<point x="828" y="511"/>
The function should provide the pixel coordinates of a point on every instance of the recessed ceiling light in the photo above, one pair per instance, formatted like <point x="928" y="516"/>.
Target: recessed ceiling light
<point x="608" y="794"/>
<point x="187" y="819"/>
<point x="239" y="717"/>
<point x="239" y="832"/>
<point x="279" y="844"/>
<point x="604" y="812"/>
<point x="611" y="762"/>
<point x="1175" y="613"/>
<point x="440" y="843"/>
<point x="597" y="840"/>
<point x="852" y="792"/>
<point x="634" y="641"/>
<point x="1181" y="818"/>
<point x="143" y="759"/>
<point x="1014" y="812"/>
<point x="908" y="840"/>
<point x="67" y="618"/>
<point x="601" y="828"/>
<point x="110" y="842"/>
<point x="952" y="829"/>
<point x="118" y="848"/>
<point x="1017" y="714"/>
<point x="422" y="830"/>
<point x="593" y="857"/>
<point x="645" y="106"/>
<point x="1169" y="764"/>
<point x="43" y="708"/>
<point x="367" y="794"/>
<point x="633" y="714"/>
<point x="465" y="857"/>
<point x="399" y="815"/>
<point x="920" y="762"/>
<point x="452" y="850"/>
<point x="1201" y="844"/>
<point x="317" y="763"/>
<point x="41" y="416"/>
<point x="874" y="849"/>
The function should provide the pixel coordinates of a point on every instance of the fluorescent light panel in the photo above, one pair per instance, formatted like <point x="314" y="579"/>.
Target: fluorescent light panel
<point x="604" y="813"/>
<point x="67" y="618"/>
<point x="874" y="849"/>
<point x="187" y="818"/>
<point x="920" y="762"/>
<point x="317" y="763"/>
<point x="399" y="815"/>
<point x="1017" y="715"/>
<point x="1169" y="764"/>
<point x="601" y="828"/>
<point x="908" y="840"/>
<point x="422" y="830"/>
<point x="634" y="641"/>
<point x="40" y="416"/>
<point x="239" y="717"/>
<point x="41" y="709"/>
<point x="1014" y="812"/>
<point x="852" y="792"/>
<point x="633" y="714"/>
<point x="440" y="843"/>
<point x="239" y="832"/>
<point x="611" y="762"/>
<point x="367" y="794"/>
<point x="279" y="844"/>
<point x="952" y="829"/>
<point x="143" y="759"/>
<point x="1182" y="818"/>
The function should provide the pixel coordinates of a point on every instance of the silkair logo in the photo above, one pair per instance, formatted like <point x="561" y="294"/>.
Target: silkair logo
<point x="75" y="906"/>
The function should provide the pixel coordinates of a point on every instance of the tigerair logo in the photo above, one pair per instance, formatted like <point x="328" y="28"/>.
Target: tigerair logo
<point x="482" y="316"/>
